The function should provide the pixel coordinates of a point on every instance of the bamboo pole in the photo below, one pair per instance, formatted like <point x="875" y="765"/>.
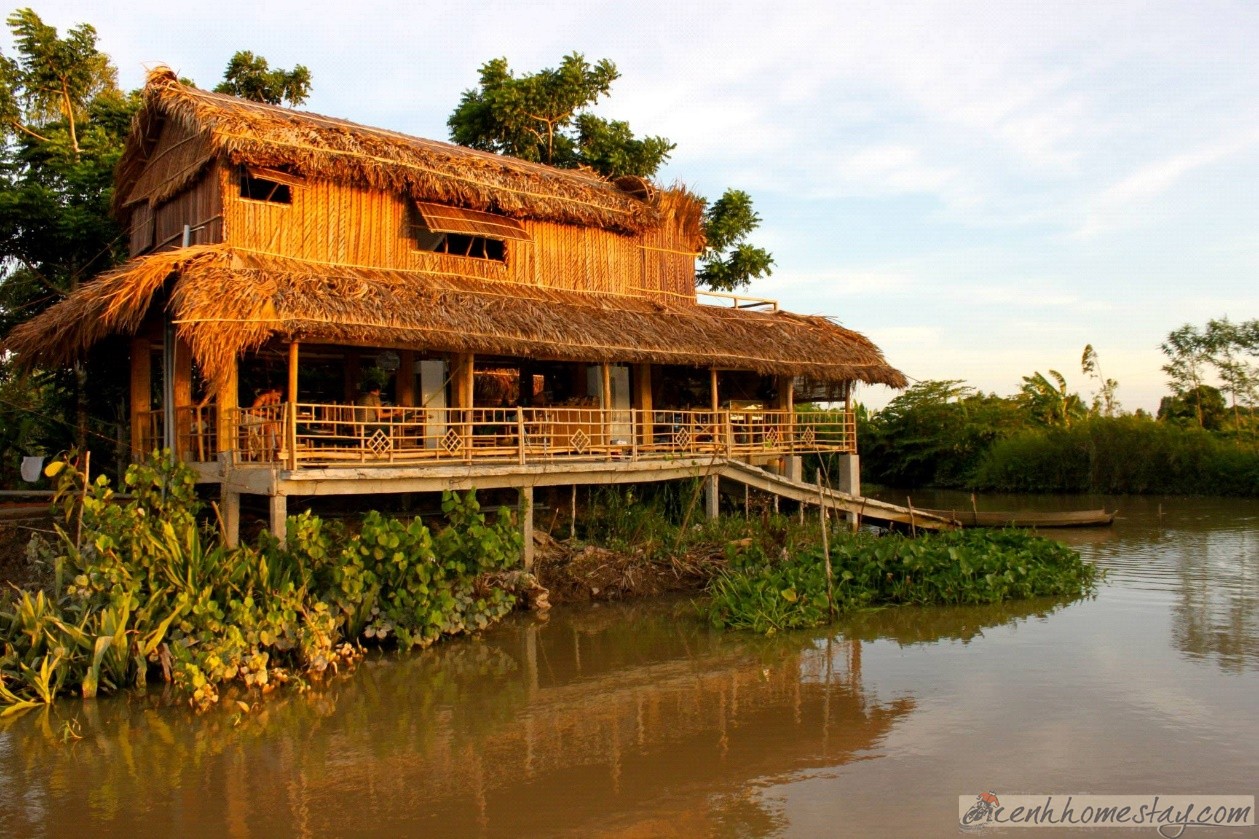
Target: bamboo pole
<point x="913" y="526"/>
<point x="826" y="548"/>
<point x="292" y="381"/>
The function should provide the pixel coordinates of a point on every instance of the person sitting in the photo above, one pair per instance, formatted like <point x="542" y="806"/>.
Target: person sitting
<point x="371" y="408"/>
<point x="373" y="415"/>
<point x="264" y="424"/>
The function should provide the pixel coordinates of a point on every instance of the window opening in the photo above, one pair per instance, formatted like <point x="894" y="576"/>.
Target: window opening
<point x="257" y="188"/>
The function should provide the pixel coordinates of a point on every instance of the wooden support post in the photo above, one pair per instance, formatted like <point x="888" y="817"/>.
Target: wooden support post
<point x="279" y="517"/>
<point x="291" y="392"/>
<point x="461" y="395"/>
<point x="642" y="402"/>
<point x="184" y="449"/>
<point x="712" y="500"/>
<point x="141" y="397"/>
<point x="520" y="434"/>
<point x="461" y="380"/>
<point x="716" y="399"/>
<point x="605" y="398"/>
<point x="526" y="525"/>
<point x="231" y="516"/>
<point x="404" y="383"/>
<point x="227" y="400"/>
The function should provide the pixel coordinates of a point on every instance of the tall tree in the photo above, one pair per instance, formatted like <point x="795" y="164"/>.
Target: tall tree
<point x="728" y="262"/>
<point x="1050" y="403"/>
<point x="545" y="117"/>
<point x="250" y="76"/>
<point x="1104" y="401"/>
<point x="64" y="122"/>
<point x="1188" y="355"/>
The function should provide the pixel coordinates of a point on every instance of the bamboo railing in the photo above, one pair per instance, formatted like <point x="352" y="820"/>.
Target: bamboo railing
<point x="310" y="434"/>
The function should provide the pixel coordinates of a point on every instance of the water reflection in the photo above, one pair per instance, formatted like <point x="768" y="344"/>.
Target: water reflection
<point x="637" y="720"/>
<point x="621" y="721"/>
<point x="1201" y="552"/>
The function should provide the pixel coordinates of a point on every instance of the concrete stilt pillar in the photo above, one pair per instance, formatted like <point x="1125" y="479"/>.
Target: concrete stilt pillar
<point x="848" y="479"/>
<point x="279" y="517"/>
<point x="231" y="516"/>
<point x="526" y="525"/>
<point x="712" y="501"/>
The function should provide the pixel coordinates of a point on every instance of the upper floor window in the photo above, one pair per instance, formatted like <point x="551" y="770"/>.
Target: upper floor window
<point x="269" y="185"/>
<point x="460" y="232"/>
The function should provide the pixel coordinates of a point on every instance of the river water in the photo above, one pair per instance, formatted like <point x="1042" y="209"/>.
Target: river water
<point x="638" y="721"/>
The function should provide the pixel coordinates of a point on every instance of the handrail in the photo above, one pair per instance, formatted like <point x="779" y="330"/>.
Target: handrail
<point x="737" y="301"/>
<point x="309" y="434"/>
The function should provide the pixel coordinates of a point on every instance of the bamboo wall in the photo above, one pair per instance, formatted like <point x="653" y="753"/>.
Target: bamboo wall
<point x="341" y="224"/>
<point x="157" y="223"/>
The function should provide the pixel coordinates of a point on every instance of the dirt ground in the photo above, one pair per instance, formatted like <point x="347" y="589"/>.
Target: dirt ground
<point x="574" y="573"/>
<point x="16" y="568"/>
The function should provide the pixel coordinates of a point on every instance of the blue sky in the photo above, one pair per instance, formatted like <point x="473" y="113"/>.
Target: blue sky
<point x="982" y="188"/>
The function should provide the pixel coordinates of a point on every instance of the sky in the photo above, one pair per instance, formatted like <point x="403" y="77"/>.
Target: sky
<point x="981" y="188"/>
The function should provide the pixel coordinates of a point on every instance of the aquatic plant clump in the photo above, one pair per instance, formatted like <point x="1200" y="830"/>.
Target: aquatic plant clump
<point x="768" y="594"/>
<point x="144" y="590"/>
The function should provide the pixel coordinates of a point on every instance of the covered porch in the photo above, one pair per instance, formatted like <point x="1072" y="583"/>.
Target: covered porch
<point x="314" y="406"/>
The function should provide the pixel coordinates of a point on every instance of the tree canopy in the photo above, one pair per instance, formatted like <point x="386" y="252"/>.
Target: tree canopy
<point x="250" y="76"/>
<point x="545" y="117"/>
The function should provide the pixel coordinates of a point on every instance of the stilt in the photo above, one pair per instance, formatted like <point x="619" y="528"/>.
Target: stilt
<point x="231" y="516"/>
<point x="712" y="501"/>
<point x="526" y="525"/>
<point x="279" y="517"/>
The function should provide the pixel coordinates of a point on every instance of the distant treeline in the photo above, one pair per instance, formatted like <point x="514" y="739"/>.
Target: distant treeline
<point x="943" y="434"/>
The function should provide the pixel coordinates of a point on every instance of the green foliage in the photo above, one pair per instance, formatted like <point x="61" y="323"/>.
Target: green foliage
<point x="1050" y="403"/>
<point x="53" y="79"/>
<point x="1201" y="406"/>
<point x="933" y="433"/>
<point x="771" y="594"/>
<point x="64" y="122"/>
<point x="728" y="262"/>
<point x="144" y="588"/>
<point x="249" y="76"/>
<point x="544" y="117"/>
<point x="1104" y="401"/>
<point x="1125" y="454"/>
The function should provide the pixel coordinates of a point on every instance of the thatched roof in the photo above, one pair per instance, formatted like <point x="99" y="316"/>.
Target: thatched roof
<point x="228" y="301"/>
<point x="213" y="126"/>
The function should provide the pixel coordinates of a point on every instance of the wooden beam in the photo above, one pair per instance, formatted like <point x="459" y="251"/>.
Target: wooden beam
<point x="227" y="400"/>
<point x="713" y="378"/>
<point x="183" y="399"/>
<point x="404" y="382"/>
<point x="141" y="397"/>
<point x="462" y="380"/>
<point x="294" y="350"/>
<point x="642" y="404"/>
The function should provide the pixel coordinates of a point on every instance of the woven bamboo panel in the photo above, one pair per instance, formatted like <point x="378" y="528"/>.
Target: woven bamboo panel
<point x="339" y="224"/>
<point x="197" y="207"/>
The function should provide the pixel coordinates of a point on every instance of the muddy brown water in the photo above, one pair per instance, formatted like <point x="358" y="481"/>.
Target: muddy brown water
<point x="637" y="720"/>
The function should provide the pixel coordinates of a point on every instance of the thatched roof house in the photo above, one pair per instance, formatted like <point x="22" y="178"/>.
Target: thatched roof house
<point x="572" y="267"/>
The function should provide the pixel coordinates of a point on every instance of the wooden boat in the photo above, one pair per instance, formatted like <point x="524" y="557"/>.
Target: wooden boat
<point x="1027" y="518"/>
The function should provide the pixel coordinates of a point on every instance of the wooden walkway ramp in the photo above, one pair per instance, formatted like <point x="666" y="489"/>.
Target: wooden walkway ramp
<point x="865" y="508"/>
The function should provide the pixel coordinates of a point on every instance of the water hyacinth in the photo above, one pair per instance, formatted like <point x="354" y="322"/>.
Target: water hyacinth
<point x="146" y="590"/>
<point x="960" y="567"/>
